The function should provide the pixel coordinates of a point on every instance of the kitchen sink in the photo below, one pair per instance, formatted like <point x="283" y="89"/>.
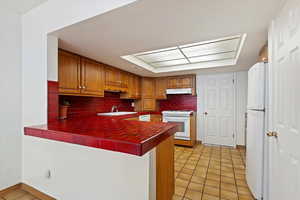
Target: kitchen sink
<point x="116" y="113"/>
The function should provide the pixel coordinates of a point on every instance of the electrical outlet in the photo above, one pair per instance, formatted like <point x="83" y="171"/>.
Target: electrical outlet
<point x="132" y="104"/>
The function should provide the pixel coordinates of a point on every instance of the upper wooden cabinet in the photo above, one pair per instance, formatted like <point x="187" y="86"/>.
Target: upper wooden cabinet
<point x="68" y="73"/>
<point x="160" y="88"/>
<point x="115" y="79"/>
<point x="148" y="88"/>
<point x="92" y="78"/>
<point x="112" y="79"/>
<point x="185" y="81"/>
<point x="79" y="76"/>
<point x="133" y="88"/>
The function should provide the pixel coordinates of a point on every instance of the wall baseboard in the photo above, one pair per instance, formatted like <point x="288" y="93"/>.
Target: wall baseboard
<point x="28" y="189"/>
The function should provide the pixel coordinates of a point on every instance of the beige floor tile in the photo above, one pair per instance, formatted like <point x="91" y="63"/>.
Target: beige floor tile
<point x="212" y="176"/>
<point x="228" y="174"/>
<point x="195" y="186"/>
<point x="179" y="190"/>
<point x="226" y="179"/>
<point x="228" y="195"/>
<point x="211" y="191"/>
<point x="228" y="187"/>
<point x="209" y="197"/>
<point x="184" y="176"/>
<point x="180" y="182"/>
<point x="14" y="195"/>
<point x="244" y="191"/>
<point x="197" y="179"/>
<point x="187" y="171"/>
<point x="212" y="183"/>
<point x="26" y="197"/>
<point x="242" y="183"/>
<point x="193" y="195"/>
<point x="176" y="197"/>
<point x="245" y="197"/>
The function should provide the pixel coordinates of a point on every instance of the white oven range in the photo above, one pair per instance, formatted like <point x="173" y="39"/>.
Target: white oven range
<point x="182" y="117"/>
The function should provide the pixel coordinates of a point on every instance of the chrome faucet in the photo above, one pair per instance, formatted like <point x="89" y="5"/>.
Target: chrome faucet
<point x="113" y="108"/>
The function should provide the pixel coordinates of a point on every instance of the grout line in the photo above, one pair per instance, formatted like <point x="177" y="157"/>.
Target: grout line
<point x="237" y="191"/>
<point x="193" y="172"/>
<point x="204" y="184"/>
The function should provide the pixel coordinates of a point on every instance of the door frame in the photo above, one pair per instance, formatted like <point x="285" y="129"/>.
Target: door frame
<point x="200" y="83"/>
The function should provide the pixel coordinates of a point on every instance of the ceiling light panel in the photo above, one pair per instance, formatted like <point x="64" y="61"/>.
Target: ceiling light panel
<point x="161" y="56"/>
<point x="211" y="48"/>
<point x="170" y="63"/>
<point x="205" y="54"/>
<point x="213" y="57"/>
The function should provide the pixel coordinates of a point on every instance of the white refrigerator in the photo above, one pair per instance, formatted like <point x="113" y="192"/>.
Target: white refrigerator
<point x="256" y="127"/>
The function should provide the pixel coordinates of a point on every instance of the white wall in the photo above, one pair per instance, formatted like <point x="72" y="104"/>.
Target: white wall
<point x="241" y="81"/>
<point x="52" y="58"/>
<point x="83" y="173"/>
<point x="74" y="166"/>
<point x="10" y="99"/>
<point x="241" y="105"/>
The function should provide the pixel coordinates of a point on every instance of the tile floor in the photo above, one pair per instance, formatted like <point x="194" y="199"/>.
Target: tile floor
<point x="17" y="195"/>
<point x="210" y="173"/>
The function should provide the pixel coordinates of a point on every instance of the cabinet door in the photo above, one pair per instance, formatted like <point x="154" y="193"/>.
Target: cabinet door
<point x="137" y="87"/>
<point x="148" y="88"/>
<point x="160" y="88"/>
<point x="92" y="78"/>
<point x="149" y="104"/>
<point x="68" y="73"/>
<point x="130" y="93"/>
<point x="172" y="82"/>
<point x="124" y="81"/>
<point x="186" y="82"/>
<point x="112" y="79"/>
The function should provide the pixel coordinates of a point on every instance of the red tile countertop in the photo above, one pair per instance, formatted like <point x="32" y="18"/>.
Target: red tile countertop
<point x="111" y="133"/>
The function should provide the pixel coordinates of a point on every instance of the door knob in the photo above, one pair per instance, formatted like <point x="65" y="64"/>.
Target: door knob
<point x="205" y="113"/>
<point x="272" y="134"/>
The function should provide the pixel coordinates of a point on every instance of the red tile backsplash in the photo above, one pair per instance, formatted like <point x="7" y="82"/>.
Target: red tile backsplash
<point x="86" y="106"/>
<point x="53" y="100"/>
<point x="179" y="102"/>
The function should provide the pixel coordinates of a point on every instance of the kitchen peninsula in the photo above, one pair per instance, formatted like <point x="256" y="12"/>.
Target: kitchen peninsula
<point x="149" y="142"/>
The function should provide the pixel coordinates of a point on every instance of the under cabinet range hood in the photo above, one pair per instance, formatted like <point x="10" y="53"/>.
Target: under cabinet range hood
<point x="179" y="91"/>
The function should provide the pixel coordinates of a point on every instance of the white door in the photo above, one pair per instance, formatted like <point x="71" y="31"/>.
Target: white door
<point x="219" y="109"/>
<point x="284" y="179"/>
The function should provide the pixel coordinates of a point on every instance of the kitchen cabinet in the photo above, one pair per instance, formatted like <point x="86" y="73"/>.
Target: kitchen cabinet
<point x="115" y="80"/>
<point x="160" y="88"/>
<point x="92" y="78"/>
<point x="148" y="88"/>
<point x="112" y="79"/>
<point x="133" y="88"/>
<point x="68" y="73"/>
<point x="147" y="101"/>
<point x="79" y="76"/>
<point x="185" y="81"/>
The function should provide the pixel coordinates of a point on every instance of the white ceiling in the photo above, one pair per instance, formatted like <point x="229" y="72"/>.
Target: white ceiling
<point x="20" y="6"/>
<point x="148" y="25"/>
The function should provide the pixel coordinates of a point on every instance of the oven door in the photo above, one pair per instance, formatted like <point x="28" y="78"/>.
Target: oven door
<point x="184" y="129"/>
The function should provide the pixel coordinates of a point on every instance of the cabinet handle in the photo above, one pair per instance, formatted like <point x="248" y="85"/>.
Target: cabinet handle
<point x="83" y="87"/>
<point x="79" y="87"/>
